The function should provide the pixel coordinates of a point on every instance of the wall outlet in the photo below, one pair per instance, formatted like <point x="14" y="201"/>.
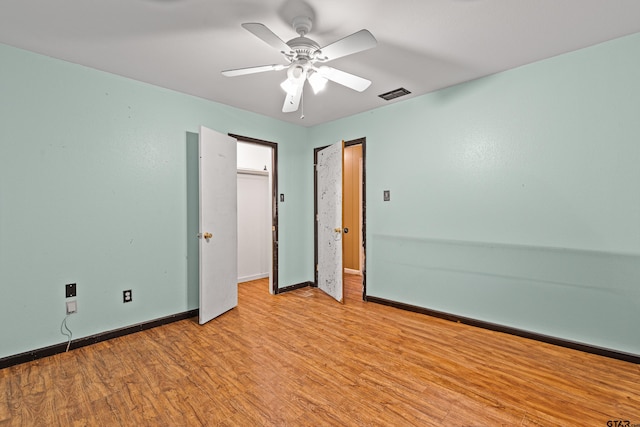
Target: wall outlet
<point x="72" y="307"/>
<point x="127" y="296"/>
<point x="70" y="290"/>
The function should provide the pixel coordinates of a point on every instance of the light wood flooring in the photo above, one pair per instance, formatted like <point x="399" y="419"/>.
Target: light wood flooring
<point x="302" y="359"/>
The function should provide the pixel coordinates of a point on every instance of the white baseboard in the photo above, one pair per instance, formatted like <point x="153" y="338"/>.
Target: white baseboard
<point x="252" y="277"/>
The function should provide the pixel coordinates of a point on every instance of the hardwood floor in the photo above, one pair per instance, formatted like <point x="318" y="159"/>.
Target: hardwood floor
<point x="302" y="359"/>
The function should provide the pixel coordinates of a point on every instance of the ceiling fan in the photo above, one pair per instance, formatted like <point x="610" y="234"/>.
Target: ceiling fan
<point x="305" y="58"/>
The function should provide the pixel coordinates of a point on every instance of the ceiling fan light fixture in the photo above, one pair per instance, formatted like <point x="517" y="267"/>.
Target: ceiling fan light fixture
<point x="296" y="74"/>
<point x="289" y="86"/>
<point x="317" y="82"/>
<point x="296" y="71"/>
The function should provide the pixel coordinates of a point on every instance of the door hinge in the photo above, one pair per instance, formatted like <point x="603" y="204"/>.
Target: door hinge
<point x="317" y="217"/>
<point x="317" y="268"/>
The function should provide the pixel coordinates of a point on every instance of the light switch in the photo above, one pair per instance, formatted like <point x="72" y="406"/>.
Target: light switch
<point x="386" y="194"/>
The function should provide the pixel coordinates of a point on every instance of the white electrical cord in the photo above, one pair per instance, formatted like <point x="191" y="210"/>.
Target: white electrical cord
<point x="68" y="332"/>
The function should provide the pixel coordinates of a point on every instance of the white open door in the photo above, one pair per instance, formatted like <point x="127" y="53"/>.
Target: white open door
<point x="218" y="224"/>
<point x="329" y="194"/>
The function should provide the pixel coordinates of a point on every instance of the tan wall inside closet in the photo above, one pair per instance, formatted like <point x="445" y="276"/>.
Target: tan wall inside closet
<point x="352" y="206"/>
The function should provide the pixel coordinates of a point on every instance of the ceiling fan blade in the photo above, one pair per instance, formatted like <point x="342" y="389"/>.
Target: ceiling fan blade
<point x="267" y="36"/>
<point x="292" y="100"/>
<point x="356" y="42"/>
<point x="253" y="70"/>
<point x="345" y="79"/>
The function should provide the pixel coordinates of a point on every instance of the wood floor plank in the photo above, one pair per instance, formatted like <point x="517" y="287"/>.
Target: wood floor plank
<point x="301" y="359"/>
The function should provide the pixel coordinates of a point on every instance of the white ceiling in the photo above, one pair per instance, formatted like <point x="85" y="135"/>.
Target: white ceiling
<point x="423" y="45"/>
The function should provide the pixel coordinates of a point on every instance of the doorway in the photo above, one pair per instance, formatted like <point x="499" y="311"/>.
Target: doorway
<point x="257" y="172"/>
<point x="254" y="220"/>
<point x="353" y="210"/>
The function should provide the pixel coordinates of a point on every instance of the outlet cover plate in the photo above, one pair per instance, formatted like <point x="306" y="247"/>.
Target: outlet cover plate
<point x="72" y="307"/>
<point x="127" y="296"/>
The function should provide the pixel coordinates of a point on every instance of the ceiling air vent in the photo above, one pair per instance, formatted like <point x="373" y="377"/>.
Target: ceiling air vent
<point x="396" y="93"/>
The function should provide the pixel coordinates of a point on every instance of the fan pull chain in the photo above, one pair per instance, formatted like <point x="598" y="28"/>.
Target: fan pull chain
<point x="302" y="102"/>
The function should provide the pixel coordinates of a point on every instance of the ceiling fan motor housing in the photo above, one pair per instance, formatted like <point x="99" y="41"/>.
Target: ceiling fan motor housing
<point x="303" y="48"/>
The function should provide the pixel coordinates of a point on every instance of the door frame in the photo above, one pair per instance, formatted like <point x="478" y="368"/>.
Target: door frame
<point x="360" y="141"/>
<point x="274" y="203"/>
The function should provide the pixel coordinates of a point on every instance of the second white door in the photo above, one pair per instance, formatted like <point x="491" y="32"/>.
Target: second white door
<point x="329" y="202"/>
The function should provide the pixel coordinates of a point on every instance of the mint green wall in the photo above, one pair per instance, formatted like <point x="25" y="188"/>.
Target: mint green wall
<point x="93" y="190"/>
<point x="515" y="198"/>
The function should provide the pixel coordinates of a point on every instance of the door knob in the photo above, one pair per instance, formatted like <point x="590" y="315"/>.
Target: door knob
<point x="338" y="230"/>
<point x="207" y="235"/>
<point x="346" y="230"/>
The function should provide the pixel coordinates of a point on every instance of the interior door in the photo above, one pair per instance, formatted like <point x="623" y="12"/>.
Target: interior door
<point x="329" y="194"/>
<point x="218" y="224"/>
